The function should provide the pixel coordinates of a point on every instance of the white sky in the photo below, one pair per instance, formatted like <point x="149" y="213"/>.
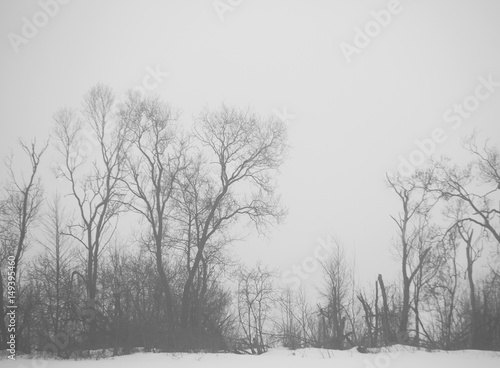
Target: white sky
<point x="351" y="120"/>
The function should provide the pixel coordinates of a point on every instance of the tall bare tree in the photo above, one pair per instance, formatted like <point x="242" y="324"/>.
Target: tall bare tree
<point x="242" y="153"/>
<point x="18" y="210"/>
<point x="94" y="179"/>
<point x="413" y="244"/>
<point x="156" y="159"/>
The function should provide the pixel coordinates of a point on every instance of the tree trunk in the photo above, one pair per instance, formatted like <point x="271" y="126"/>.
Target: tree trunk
<point x="388" y="335"/>
<point x="201" y="297"/>
<point x="417" y="324"/>
<point x="403" y="325"/>
<point x="472" y="293"/>
<point x="186" y="293"/>
<point x="170" y="339"/>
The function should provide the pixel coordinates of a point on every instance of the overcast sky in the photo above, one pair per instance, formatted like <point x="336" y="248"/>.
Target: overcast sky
<point x="355" y="104"/>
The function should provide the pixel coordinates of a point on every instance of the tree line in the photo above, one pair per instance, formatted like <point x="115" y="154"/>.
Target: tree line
<point x="172" y="284"/>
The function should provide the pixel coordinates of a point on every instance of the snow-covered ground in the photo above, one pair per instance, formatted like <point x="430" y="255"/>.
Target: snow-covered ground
<point x="275" y="358"/>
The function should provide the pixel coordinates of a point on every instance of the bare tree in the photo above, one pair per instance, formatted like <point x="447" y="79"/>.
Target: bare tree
<point x="156" y="160"/>
<point x="298" y="324"/>
<point x="256" y="296"/>
<point x="242" y="152"/>
<point x="472" y="191"/>
<point x="477" y="185"/>
<point x="466" y="230"/>
<point x="51" y="273"/>
<point x="488" y="165"/>
<point x="19" y="209"/>
<point x="94" y="179"/>
<point x="337" y="293"/>
<point x="473" y="252"/>
<point x="414" y="244"/>
<point x="442" y="290"/>
<point x="387" y="332"/>
<point x="190" y="210"/>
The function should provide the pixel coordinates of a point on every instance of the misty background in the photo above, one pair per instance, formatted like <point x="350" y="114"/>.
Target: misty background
<point x="349" y="122"/>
